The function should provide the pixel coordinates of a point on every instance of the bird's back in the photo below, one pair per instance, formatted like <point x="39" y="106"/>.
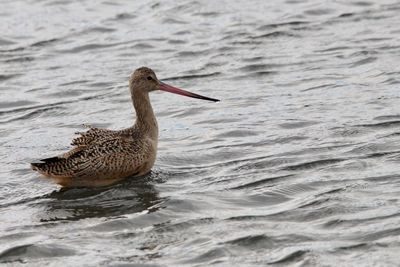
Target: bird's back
<point x="101" y="157"/>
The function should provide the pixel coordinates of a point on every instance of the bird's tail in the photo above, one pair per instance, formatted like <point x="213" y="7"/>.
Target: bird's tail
<point x="47" y="165"/>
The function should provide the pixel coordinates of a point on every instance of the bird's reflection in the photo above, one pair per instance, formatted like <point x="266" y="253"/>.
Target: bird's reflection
<point x="131" y="196"/>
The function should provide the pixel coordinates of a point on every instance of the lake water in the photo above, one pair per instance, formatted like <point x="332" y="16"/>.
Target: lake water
<point x="298" y="165"/>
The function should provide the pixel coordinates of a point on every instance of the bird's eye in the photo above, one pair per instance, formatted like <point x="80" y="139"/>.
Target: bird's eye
<point x="149" y="78"/>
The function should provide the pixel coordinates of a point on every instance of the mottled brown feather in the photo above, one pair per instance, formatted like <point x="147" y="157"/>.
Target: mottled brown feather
<point x="103" y="161"/>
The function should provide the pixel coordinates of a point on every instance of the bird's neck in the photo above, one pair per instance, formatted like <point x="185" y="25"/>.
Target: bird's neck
<point x="145" y="120"/>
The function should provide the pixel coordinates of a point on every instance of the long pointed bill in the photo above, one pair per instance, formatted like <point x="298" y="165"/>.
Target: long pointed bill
<point x="171" y="89"/>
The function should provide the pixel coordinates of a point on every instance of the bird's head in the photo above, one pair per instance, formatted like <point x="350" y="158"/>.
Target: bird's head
<point x="144" y="80"/>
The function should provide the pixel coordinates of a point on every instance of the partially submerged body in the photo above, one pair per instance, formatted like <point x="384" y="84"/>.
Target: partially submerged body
<point x="101" y="157"/>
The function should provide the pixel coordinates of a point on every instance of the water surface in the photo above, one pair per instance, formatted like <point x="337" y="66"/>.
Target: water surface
<point x="298" y="165"/>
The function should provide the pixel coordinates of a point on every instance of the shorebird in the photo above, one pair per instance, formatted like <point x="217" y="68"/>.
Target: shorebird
<point x="102" y="157"/>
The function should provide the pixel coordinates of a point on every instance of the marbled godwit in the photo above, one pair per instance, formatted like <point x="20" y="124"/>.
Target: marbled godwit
<point x="102" y="157"/>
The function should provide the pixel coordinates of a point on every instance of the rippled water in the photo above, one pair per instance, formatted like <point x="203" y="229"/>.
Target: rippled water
<point x="298" y="165"/>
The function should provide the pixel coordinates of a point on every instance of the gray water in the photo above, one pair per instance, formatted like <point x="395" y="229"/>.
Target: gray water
<point x="298" y="165"/>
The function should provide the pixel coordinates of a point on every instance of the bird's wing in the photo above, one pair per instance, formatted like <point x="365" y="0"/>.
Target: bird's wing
<point x="96" y="134"/>
<point x="87" y="137"/>
<point x="111" y="158"/>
